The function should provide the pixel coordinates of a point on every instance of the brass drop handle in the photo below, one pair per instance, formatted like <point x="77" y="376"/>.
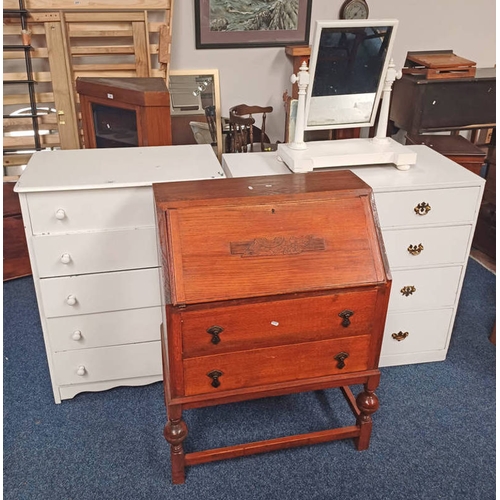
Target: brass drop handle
<point x="415" y="249"/>
<point x="422" y="208"/>
<point x="214" y="375"/>
<point x="400" y="336"/>
<point x="340" y="358"/>
<point x="345" y="315"/>
<point x="408" y="290"/>
<point x="215" y="331"/>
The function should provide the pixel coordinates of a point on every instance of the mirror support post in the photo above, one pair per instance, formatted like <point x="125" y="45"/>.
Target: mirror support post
<point x="302" y="80"/>
<point x="391" y="75"/>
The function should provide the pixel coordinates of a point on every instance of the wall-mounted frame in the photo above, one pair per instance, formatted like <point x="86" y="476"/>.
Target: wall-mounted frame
<point x="254" y="24"/>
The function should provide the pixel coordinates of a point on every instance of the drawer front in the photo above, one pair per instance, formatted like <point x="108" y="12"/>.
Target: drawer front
<point x="69" y="211"/>
<point x="417" y="331"/>
<point x="107" y="363"/>
<point x="85" y="253"/>
<point x="94" y="293"/>
<point x="427" y="246"/>
<point x="275" y="364"/>
<point x="418" y="208"/>
<point x="104" y="329"/>
<point x="424" y="288"/>
<point x="264" y="324"/>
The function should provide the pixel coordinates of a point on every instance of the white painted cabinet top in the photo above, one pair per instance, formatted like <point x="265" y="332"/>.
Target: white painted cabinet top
<point x="118" y="167"/>
<point x="432" y="171"/>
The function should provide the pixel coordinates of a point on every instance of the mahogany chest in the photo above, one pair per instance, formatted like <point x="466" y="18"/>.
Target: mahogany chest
<point x="271" y="285"/>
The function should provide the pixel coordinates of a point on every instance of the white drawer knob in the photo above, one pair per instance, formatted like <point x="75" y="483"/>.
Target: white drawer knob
<point x="81" y="371"/>
<point x="65" y="258"/>
<point x="60" y="214"/>
<point x="77" y="335"/>
<point x="71" y="300"/>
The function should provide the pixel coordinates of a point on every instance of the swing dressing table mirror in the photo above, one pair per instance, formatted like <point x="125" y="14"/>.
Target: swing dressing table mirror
<point x="351" y="73"/>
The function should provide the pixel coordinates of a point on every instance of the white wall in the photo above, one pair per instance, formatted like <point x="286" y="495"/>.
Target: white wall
<point x="261" y="75"/>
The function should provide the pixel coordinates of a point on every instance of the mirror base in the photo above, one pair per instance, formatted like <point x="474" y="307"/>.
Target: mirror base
<point x="347" y="153"/>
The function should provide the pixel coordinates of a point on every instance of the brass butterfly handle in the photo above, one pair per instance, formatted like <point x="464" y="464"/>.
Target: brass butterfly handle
<point x="408" y="290"/>
<point x="400" y="336"/>
<point x="415" y="249"/>
<point x="422" y="208"/>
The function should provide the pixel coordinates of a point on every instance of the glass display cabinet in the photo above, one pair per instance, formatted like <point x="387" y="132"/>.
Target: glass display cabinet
<point x="124" y="112"/>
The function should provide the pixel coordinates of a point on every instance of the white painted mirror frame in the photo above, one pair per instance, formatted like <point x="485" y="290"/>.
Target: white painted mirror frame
<point x="343" y="24"/>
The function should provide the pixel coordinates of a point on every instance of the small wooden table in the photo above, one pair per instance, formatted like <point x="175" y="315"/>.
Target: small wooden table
<point x="454" y="147"/>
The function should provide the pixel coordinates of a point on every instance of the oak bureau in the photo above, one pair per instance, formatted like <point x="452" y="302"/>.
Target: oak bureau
<point x="272" y="285"/>
<point x="427" y="216"/>
<point x="91" y="232"/>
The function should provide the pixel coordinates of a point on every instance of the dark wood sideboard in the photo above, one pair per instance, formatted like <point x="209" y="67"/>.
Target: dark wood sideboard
<point x="273" y="285"/>
<point x="419" y="105"/>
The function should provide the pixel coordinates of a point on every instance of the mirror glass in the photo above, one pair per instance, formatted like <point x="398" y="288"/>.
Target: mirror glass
<point x="348" y="64"/>
<point x="195" y="108"/>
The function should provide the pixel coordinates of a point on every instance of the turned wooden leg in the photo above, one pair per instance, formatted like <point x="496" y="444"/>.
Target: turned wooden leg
<point x="368" y="404"/>
<point x="175" y="432"/>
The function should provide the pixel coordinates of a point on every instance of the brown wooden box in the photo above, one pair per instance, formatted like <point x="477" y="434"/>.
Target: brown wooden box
<point x="273" y="285"/>
<point x="124" y="112"/>
<point x="16" y="261"/>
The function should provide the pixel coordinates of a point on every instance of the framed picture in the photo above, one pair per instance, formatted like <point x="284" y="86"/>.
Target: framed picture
<point x="257" y="23"/>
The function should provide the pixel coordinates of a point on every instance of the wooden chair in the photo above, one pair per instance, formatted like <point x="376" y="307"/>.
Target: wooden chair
<point x="212" y="123"/>
<point x="244" y="134"/>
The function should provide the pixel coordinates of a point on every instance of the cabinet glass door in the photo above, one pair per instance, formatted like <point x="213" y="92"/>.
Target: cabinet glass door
<point x="114" y="127"/>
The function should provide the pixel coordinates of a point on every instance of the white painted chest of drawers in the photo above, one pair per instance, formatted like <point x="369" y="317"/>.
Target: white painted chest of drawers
<point x="427" y="215"/>
<point x="91" y="230"/>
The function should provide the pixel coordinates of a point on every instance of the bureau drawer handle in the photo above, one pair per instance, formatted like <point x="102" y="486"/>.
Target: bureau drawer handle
<point x="81" y="371"/>
<point x="408" y="290"/>
<point x="71" y="300"/>
<point x="215" y="331"/>
<point x="400" y="336"/>
<point x="77" y="335"/>
<point x="345" y="315"/>
<point x="60" y="214"/>
<point x="340" y="358"/>
<point x="214" y="375"/>
<point x="65" y="258"/>
<point x="422" y="208"/>
<point x="415" y="249"/>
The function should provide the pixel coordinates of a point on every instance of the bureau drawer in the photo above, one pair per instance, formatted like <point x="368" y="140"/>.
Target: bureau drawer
<point x="422" y="247"/>
<point x="93" y="293"/>
<point x="275" y="364"/>
<point x="68" y="211"/>
<point x="84" y="253"/>
<point x="264" y="324"/>
<point x="104" y="329"/>
<point x="424" y="288"/>
<point x="107" y="363"/>
<point x="417" y="331"/>
<point x="437" y="206"/>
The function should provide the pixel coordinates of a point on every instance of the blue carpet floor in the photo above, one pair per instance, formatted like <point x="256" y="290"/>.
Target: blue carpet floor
<point x="433" y="437"/>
